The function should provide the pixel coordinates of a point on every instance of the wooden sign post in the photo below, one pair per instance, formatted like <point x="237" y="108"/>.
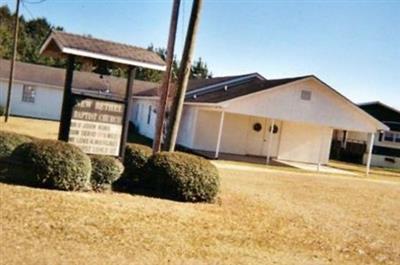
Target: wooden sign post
<point x="97" y="126"/>
<point x="97" y="123"/>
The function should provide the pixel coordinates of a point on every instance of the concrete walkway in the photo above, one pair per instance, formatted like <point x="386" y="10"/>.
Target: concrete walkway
<point x="260" y="160"/>
<point x="227" y="165"/>
<point x="313" y="167"/>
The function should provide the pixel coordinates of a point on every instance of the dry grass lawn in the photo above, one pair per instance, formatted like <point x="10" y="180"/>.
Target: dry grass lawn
<point x="260" y="218"/>
<point x="281" y="216"/>
<point x="37" y="128"/>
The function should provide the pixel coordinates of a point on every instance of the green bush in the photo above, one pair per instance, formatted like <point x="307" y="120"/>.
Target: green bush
<point x="105" y="170"/>
<point x="182" y="177"/>
<point x="9" y="141"/>
<point x="55" y="164"/>
<point x="2" y="111"/>
<point x="136" y="157"/>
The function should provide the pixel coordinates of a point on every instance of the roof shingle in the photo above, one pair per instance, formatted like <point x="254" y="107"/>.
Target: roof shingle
<point x="239" y="89"/>
<point x="218" y="93"/>
<point x="97" y="48"/>
<point x="54" y="77"/>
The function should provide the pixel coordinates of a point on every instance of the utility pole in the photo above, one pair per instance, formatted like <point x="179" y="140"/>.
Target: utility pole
<point x="165" y="86"/>
<point x="14" y="55"/>
<point x="183" y="77"/>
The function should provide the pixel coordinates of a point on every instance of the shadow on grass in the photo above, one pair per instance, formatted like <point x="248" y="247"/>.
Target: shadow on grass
<point x="16" y="174"/>
<point x="134" y="187"/>
<point x="135" y="137"/>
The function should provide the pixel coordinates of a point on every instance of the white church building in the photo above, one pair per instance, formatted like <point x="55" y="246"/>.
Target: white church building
<point x="289" y="119"/>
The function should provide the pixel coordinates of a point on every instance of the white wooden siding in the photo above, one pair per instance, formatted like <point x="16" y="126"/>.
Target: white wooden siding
<point x="302" y="142"/>
<point x="324" y="108"/>
<point x="47" y="103"/>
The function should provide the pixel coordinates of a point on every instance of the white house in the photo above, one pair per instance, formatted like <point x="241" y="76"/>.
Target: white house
<point x="288" y="119"/>
<point x="386" y="145"/>
<point x="38" y="90"/>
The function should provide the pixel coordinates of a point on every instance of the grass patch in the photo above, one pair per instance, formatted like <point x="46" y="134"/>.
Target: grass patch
<point x="283" y="216"/>
<point x="263" y="218"/>
<point x="375" y="172"/>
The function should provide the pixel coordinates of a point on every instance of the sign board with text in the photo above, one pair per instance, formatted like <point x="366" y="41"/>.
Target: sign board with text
<point x="96" y="126"/>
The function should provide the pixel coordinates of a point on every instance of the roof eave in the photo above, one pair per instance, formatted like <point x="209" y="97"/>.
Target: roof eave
<point x="77" y="52"/>
<point x="50" y="37"/>
<point x="379" y="125"/>
<point x="114" y="59"/>
<point x="379" y="103"/>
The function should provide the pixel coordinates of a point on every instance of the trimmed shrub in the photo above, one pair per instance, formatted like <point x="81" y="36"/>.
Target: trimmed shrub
<point x="55" y="164"/>
<point x="9" y="141"/>
<point x="105" y="170"/>
<point x="2" y="111"/>
<point x="182" y="177"/>
<point x="136" y="157"/>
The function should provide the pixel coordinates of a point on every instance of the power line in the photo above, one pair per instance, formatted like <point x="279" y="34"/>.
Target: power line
<point x="12" y="64"/>
<point x="183" y="25"/>
<point x="35" y="2"/>
<point x="27" y="9"/>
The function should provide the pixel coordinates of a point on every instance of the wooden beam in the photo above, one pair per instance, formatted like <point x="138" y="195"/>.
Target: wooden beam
<point x="12" y="66"/>
<point x="67" y="104"/>
<point x="127" y="110"/>
<point x="165" y="87"/>
<point x="183" y="77"/>
<point x="221" y="125"/>
<point x="369" y="155"/>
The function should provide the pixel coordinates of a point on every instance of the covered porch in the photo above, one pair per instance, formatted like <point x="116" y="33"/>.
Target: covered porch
<point x="293" y="122"/>
<point x="263" y="140"/>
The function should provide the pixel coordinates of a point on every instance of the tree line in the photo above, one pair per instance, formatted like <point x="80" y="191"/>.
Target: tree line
<point x="33" y="32"/>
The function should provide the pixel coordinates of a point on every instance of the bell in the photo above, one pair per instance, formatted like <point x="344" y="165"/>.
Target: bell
<point x="102" y="68"/>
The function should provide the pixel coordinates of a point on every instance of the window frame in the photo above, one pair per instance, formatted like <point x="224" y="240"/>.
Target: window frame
<point x="28" y="96"/>
<point x="394" y="137"/>
<point x="306" y="95"/>
<point x="149" y="115"/>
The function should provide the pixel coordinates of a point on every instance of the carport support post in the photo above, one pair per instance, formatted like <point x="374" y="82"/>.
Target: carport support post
<point x="127" y="110"/>
<point x="67" y="105"/>
<point x="221" y="125"/>
<point x="370" y="147"/>
<point x="320" y="150"/>
<point x="271" y="131"/>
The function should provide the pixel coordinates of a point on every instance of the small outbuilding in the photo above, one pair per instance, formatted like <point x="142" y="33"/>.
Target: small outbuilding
<point x="290" y="119"/>
<point x="351" y="146"/>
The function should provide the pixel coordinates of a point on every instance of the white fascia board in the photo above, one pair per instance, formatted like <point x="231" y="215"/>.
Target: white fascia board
<point x="215" y="105"/>
<point x="146" y="97"/>
<point x="201" y="89"/>
<point x="113" y="59"/>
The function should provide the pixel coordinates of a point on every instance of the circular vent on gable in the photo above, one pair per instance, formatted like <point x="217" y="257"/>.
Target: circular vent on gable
<point x="257" y="127"/>
<point x="274" y="130"/>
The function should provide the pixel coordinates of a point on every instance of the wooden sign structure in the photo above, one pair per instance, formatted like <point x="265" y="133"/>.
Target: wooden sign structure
<point x="96" y="123"/>
<point x="97" y="126"/>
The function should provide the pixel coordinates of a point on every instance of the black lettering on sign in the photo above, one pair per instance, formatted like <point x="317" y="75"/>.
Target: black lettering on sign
<point x="98" y="111"/>
<point x="96" y="126"/>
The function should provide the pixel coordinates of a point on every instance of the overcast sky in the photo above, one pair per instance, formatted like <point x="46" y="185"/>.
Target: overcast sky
<point x="354" y="46"/>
